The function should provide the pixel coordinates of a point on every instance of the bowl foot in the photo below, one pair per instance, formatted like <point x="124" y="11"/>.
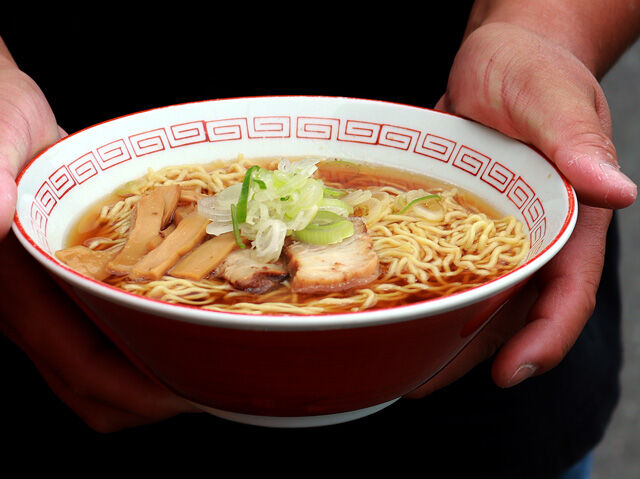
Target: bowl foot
<point x="295" y="421"/>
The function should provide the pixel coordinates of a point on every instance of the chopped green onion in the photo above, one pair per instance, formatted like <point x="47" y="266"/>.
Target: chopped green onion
<point x="287" y="197"/>
<point x="336" y="204"/>
<point x="236" y="228"/>
<point x="244" y="195"/>
<point x="333" y="192"/>
<point x="323" y="218"/>
<point x="325" y="228"/>
<point x="418" y="200"/>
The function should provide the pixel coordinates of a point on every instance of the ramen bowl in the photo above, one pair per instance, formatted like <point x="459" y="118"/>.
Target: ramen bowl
<point x="284" y="370"/>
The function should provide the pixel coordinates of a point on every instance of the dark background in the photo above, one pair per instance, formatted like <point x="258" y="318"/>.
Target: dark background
<point x="618" y="456"/>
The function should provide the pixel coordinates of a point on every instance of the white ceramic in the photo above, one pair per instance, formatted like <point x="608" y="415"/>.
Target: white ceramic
<point x="57" y="186"/>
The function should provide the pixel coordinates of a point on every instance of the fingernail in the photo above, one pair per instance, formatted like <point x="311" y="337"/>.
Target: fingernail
<point x="525" y="371"/>
<point x="625" y="185"/>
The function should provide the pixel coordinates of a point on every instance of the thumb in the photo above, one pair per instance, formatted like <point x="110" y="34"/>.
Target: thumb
<point x="533" y="90"/>
<point x="27" y="126"/>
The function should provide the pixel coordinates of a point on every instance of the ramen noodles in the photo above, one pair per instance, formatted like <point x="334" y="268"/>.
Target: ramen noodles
<point x="292" y="236"/>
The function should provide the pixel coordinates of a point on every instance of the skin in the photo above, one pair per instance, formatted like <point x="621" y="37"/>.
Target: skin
<point x="528" y="69"/>
<point x="520" y="73"/>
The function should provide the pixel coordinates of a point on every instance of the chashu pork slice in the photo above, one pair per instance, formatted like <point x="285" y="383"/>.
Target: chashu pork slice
<point x="244" y="272"/>
<point x="321" y="269"/>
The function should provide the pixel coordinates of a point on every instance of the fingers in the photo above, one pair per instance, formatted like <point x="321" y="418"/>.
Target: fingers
<point x="506" y="322"/>
<point x="8" y="196"/>
<point x="97" y="415"/>
<point x="27" y="126"/>
<point x="522" y="85"/>
<point x="538" y="326"/>
<point x="568" y="286"/>
<point x="546" y="98"/>
<point x="76" y="360"/>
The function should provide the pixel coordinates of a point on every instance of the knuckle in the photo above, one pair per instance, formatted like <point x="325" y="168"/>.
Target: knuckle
<point x="586" y="136"/>
<point x="26" y="122"/>
<point x="492" y="340"/>
<point x="589" y="297"/>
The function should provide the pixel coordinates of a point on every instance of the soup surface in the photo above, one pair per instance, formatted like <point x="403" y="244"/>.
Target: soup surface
<point x="224" y="236"/>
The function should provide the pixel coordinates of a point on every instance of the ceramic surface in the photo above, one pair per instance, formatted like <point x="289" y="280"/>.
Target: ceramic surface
<point x="287" y="366"/>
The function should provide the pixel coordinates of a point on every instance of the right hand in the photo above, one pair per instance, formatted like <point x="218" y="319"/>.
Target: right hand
<point x="529" y="88"/>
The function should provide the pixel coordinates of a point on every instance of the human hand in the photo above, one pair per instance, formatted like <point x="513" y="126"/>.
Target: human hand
<point x="531" y="89"/>
<point x="27" y="126"/>
<point x="79" y="364"/>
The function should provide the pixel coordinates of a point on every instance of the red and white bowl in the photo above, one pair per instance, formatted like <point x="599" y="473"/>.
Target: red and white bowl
<point x="285" y="370"/>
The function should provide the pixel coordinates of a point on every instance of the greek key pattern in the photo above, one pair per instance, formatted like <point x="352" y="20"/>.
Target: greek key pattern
<point x="427" y="145"/>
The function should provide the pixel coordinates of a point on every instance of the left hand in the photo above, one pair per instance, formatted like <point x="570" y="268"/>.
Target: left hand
<point x="531" y="89"/>
<point x="80" y="365"/>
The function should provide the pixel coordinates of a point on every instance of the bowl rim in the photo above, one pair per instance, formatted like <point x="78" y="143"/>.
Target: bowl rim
<point x="236" y="320"/>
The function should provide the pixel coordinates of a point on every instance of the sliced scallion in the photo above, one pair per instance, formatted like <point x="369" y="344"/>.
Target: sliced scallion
<point x="323" y="218"/>
<point x="333" y="192"/>
<point x="416" y="201"/>
<point x="335" y="204"/>
<point x="236" y="226"/>
<point x="241" y="207"/>
<point x="325" y="228"/>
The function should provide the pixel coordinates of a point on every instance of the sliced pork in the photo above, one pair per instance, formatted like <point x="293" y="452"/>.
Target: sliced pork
<point x="320" y="269"/>
<point x="244" y="272"/>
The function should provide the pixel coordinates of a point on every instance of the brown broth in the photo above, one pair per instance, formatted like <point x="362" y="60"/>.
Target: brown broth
<point x="88" y="227"/>
<point x="346" y="174"/>
<point x="339" y="173"/>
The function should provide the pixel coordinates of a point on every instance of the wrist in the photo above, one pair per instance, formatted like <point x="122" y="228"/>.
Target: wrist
<point x="597" y="32"/>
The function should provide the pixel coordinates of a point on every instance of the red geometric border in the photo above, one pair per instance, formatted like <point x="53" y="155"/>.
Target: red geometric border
<point x="438" y="148"/>
<point x="270" y="127"/>
<point x="398" y="137"/>
<point x="113" y="154"/>
<point x="149" y="142"/>
<point x="359" y="131"/>
<point x="187" y="133"/>
<point x="61" y="181"/>
<point x="45" y="198"/>
<point x="533" y="212"/>
<point x="317" y="128"/>
<point x="521" y="193"/>
<point x="84" y="167"/>
<point x="471" y="161"/>
<point x="498" y="176"/>
<point x="226" y="130"/>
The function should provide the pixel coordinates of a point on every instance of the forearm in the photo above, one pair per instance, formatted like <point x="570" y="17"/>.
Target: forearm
<point x="597" y="32"/>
